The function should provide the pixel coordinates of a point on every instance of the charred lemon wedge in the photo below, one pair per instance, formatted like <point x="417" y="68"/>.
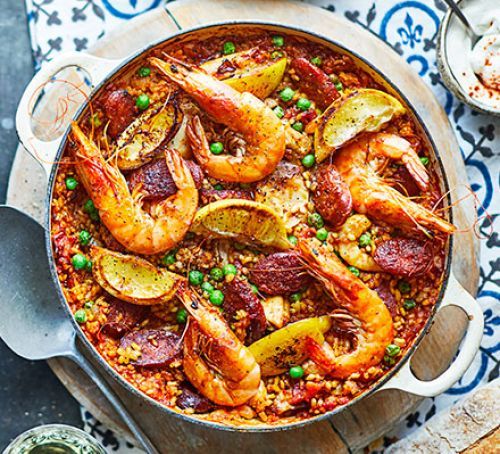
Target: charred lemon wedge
<point x="139" y="143"/>
<point x="363" y="110"/>
<point x="131" y="278"/>
<point x="284" y="348"/>
<point x="242" y="72"/>
<point x="243" y="220"/>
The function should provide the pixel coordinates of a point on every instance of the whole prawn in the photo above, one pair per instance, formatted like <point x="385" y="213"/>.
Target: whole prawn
<point x="215" y="361"/>
<point x="375" y="329"/>
<point x="122" y="213"/>
<point x="359" y="164"/>
<point x="245" y="114"/>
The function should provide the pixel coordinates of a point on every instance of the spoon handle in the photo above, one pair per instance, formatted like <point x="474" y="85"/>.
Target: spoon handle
<point x="456" y="9"/>
<point x="113" y="398"/>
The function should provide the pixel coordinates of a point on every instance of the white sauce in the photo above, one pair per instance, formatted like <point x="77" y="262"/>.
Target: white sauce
<point x="477" y="68"/>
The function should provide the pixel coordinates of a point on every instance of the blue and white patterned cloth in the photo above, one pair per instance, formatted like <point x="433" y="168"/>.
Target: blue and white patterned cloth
<point x="410" y="27"/>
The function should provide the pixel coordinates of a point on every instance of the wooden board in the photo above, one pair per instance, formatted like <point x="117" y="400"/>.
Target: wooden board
<point x="357" y="426"/>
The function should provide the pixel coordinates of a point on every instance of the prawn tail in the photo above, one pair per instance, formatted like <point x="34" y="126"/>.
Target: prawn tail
<point x="198" y="140"/>
<point x="322" y="354"/>
<point x="179" y="170"/>
<point x="418" y="172"/>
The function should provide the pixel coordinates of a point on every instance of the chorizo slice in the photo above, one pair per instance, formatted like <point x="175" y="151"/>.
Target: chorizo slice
<point x="384" y="292"/>
<point x="119" y="107"/>
<point x="332" y="197"/>
<point x="158" y="347"/>
<point x="404" y="257"/>
<point x="239" y="296"/>
<point x="189" y="398"/>
<point x="280" y="273"/>
<point x="122" y="317"/>
<point x="315" y="83"/>
<point x="156" y="180"/>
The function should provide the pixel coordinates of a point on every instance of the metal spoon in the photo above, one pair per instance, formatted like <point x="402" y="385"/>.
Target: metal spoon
<point x="474" y="36"/>
<point x="33" y="323"/>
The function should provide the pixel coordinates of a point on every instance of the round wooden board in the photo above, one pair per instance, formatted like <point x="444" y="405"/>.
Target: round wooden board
<point x="354" y="428"/>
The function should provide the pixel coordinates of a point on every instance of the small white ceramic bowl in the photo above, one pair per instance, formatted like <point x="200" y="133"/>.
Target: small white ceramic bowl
<point x="453" y="66"/>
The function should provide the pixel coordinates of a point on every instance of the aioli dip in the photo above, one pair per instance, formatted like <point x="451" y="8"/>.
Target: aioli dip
<point x="477" y="68"/>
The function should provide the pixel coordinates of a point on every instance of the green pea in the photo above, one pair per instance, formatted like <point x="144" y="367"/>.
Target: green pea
<point x="142" y="102"/>
<point x="84" y="237"/>
<point x="88" y="265"/>
<point x="207" y="287"/>
<point x="303" y="103"/>
<point x="95" y="120"/>
<point x="255" y="289"/>
<point x="279" y="111"/>
<point x="389" y="361"/>
<point x="316" y="61"/>
<point x="229" y="269"/>
<point x="278" y="41"/>
<point x="392" y="350"/>
<point x="216" y="147"/>
<point x="229" y="48"/>
<point x="404" y="287"/>
<point x="295" y="297"/>
<point x="424" y="160"/>
<point x="79" y="261"/>
<point x="293" y="239"/>
<point x="338" y="86"/>
<point x="169" y="259"/>
<point x="308" y="160"/>
<point x="353" y="270"/>
<point x="365" y="239"/>
<point x="88" y="305"/>
<point x="299" y="126"/>
<point x="217" y="274"/>
<point x="296" y="372"/>
<point x="216" y="298"/>
<point x="315" y="220"/>
<point x="287" y="94"/>
<point x="181" y="315"/>
<point x="195" y="277"/>
<point x="144" y="71"/>
<point x="80" y="316"/>
<point x="71" y="183"/>
<point x="322" y="234"/>
<point x="218" y="187"/>
<point x="409" y="304"/>
<point x="89" y="206"/>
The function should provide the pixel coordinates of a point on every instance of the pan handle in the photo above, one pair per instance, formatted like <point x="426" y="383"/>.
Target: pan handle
<point x="405" y="380"/>
<point x="45" y="151"/>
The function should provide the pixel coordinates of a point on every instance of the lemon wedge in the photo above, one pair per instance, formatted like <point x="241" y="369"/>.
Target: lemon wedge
<point x="260" y="79"/>
<point x="284" y="348"/>
<point x="244" y="220"/>
<point x="139" y="143"/>
<point x="361" y="110"/>
<point x="131" y="278"/>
